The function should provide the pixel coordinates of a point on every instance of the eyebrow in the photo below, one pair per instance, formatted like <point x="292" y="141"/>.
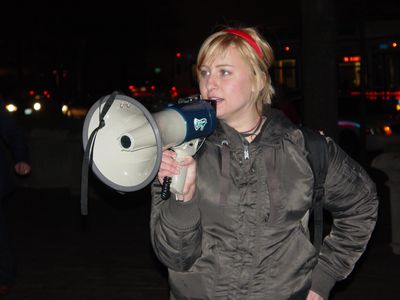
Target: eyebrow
<point x="224" y="65"/>
<point x="217" y="66"/>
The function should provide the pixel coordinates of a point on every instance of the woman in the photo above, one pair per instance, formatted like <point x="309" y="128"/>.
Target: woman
<point x="236" y="232"/>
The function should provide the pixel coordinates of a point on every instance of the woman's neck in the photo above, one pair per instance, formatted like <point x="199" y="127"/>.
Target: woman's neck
<point x="252" y="129"/>
<point x="251" y="135"/>
<point x="244" y="122"/>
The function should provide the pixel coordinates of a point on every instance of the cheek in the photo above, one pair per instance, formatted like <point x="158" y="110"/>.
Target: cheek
<point x="202" y="88"/>
<point x="239" y="91"/>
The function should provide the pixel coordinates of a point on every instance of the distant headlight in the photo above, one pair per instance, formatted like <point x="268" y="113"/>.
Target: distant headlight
<point x="64" y="109"/>
<point x="11" y="107"/>
<point x="37" y="106"/>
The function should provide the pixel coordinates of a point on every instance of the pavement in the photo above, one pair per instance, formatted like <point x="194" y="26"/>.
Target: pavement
<point x="107" y="255"/>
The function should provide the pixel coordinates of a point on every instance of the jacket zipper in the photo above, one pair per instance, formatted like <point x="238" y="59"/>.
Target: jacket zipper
<point x="246" y="152"/>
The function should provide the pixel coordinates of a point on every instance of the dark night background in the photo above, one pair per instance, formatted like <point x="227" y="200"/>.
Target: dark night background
<point x="104" y="46"/>
<point x="81" y="50"/>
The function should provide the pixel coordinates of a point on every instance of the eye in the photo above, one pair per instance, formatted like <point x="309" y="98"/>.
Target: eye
<point x="203" y="73"/>
<point x="225" y="72"/>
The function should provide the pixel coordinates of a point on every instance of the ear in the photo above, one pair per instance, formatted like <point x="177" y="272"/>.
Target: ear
<point x="260" y="82"/>
<point x="263" y="79"/>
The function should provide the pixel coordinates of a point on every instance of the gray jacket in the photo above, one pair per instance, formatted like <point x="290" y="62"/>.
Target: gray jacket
<point x="241" y="237"/>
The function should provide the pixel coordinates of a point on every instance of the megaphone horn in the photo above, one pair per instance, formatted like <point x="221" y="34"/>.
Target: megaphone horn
<point x="127" y="148"/>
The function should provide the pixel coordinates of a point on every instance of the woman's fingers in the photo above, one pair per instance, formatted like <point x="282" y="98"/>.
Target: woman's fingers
<point x="190" y="181"/>
<point x="189" y="160"/>
<point x="169" y="166"/>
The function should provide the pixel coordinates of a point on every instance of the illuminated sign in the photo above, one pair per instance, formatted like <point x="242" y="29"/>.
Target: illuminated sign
<point x="374" y="95"/>
<point x="351" y="59"/>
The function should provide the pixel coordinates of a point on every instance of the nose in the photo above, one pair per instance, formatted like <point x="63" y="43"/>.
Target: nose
<point x="211" y="83"/>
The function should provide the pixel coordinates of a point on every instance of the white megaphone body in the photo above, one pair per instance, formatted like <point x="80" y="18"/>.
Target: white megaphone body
<point x="123" y="141"/>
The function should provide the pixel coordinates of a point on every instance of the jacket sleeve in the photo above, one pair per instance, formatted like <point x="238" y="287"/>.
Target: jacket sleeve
<point x="351" y="198"/>
<point x="175" y="230"/>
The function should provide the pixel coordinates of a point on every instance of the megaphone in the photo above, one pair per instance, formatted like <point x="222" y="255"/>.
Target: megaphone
<point x="126" y="141"/>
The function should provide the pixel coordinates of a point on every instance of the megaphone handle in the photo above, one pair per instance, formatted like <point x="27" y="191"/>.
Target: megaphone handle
<point x="177" y="184"/>
<point x="178" y="181"/>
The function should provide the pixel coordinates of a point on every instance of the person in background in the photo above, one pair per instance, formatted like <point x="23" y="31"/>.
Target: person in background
<point x="236" y="231"/>
<point x="13" y="146"/>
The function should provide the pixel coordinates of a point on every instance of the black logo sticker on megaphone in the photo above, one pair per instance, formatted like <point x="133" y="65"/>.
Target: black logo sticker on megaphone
<point x="199" y="124"/>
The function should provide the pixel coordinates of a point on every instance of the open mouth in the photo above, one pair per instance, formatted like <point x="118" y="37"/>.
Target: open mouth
<point x="217" y="99"/>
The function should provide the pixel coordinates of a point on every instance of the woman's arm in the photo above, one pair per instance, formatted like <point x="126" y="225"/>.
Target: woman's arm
<point x="351" y="198"/>
<point x="175" y="224"/>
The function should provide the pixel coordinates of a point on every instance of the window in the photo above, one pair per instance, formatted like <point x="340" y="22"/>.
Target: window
<point x="285" y="73"/>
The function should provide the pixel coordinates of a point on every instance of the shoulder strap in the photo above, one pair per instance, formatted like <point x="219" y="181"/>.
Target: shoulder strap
<point x="317" y="148"/>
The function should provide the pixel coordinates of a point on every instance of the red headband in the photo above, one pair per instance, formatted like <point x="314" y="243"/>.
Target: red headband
<point x="248" y="39"/>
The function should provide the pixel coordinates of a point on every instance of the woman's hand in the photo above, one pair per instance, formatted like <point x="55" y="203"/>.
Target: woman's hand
<point x="22" y="168"/>
<point x="170" y="167"/>
<point x="313" y="296"/>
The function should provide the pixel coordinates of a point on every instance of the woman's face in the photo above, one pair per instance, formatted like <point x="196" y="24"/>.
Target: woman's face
<point x="229" y="80"/>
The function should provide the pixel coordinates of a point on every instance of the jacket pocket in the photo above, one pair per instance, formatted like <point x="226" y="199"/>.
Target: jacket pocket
<point x="291" y="266"/>
<point x="188" y="285"/>
<point x="199" y="282"/>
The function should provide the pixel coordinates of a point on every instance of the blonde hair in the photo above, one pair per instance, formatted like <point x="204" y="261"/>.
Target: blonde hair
<point x="219" y="42"/>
